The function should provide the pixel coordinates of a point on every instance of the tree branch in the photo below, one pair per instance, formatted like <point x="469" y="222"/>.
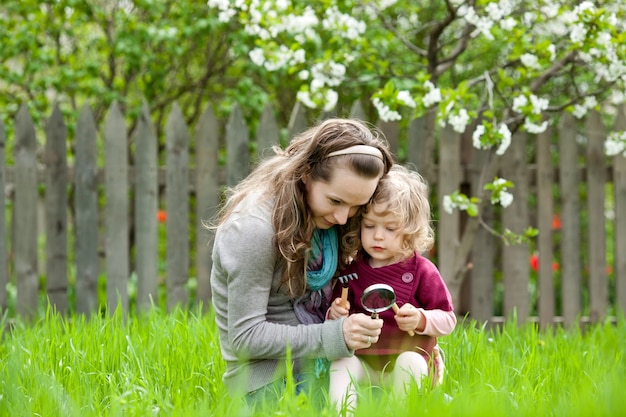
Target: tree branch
<point x="391" y="28"/>
<point x="460" y="47"/>
<point x="552" y="71"/>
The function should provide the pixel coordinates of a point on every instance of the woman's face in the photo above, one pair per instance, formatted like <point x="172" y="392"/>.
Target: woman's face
<point x="335" y="201"/>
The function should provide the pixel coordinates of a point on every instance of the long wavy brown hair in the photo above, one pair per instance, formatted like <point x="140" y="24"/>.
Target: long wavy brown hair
<point x="280" y="178"/>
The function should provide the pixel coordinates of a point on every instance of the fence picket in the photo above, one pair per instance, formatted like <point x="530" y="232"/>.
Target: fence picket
<point x="481" y="275"/>
<point x="116" y="209"/>
<point x="177" y="203"/>
<point x="207" y="196"/>
<point x="571" y="264"/>
<point x="237" y="151"/>
<point x="391" y="130"/>
<point x="87" y="214"/>
<point x="415" y="145"/>
<point x="447" y="226"/>
<point x="298" y="120"/>
<point x="267" y="133"/>
<point x="356" y="111"/>
<point x="619" y="230"/>
<point x="515" y="266"/>
<point x="545" y="208"/>
<point x="25" y="214"/>
<point x="55" y="158"/>
<point x="4" y="264"/>
<point x="146" y="206"/>
<point x="596" y="179"/>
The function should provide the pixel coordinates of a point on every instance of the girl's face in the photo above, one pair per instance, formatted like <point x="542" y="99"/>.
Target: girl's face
<point x="381" y="237"/>
<point x="335" y="201"/>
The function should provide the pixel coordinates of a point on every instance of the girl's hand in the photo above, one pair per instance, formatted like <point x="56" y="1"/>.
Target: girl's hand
<point x="360" y="331"/>
<point x="410" y="318"/>
<point x="337" y="310"/>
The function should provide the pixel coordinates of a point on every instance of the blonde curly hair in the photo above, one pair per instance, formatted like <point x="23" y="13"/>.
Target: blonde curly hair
<point x="403" y="193"/>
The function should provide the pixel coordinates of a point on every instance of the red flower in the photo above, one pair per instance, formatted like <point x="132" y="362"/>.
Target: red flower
<point x="161" y="216"/>
<point x="556" y="222"/>
<point x="534" y="262"/>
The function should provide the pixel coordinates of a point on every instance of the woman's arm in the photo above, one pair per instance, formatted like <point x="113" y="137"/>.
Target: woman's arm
<point x="255" y="313"/>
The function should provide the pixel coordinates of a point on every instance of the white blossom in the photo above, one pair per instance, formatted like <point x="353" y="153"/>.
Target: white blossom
<point x="459" y="121"/>
<point x="494" y="11"/>
<point x="549" y="11"/>
<point x="531" y="127"/>
<point x="298" y="57"/>
<point x="433" y="96"/>
<point x="579" y="111"/>
<point x="530" y="61"/>
<point x="305" y="98"/>
<point x="342" y="24"/>
<point x="478" y="133"/>
<point x="615" y="144"/>
<point x="330" y="73"/>
<point x="383" y="4"/>
<point x="552" y="51"/>
<point x="257" y="56"/>
<point x="405" y="98"/>
<point x="384" y="112"/>
<point x="448" y="205"/>
<point x="539" y="104"/>
<point x="506" y="198"/>
<point x="617" y="97"/>
<point x="519" y="102"/>
<point x="504" y="131"/>
<point x="330" y="100"/>
<point x="218" y="4"/>
<point x="584" y="6"/>
<point x="317" y="93"/>
<point x="508" y="24"/>
<point x="483" y="25"/>
<point x="577" y="33"/>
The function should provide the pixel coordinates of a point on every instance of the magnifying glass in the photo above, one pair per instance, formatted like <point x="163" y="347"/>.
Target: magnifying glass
<point x="378" y="298"/>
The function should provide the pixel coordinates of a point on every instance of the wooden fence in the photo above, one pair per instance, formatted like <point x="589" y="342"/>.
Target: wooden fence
<point x="107" y="198"/>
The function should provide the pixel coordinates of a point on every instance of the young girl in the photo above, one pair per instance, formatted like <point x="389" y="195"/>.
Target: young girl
<point x="395" y="230"/>
<point x="277" y="246"/>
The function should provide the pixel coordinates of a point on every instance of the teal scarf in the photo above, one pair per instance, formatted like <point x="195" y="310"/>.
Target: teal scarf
<point x="324" y="242"/>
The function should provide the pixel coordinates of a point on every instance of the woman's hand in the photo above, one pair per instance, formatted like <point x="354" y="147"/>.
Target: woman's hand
<point x="337" y="310"/>
<point x="360" y="331"/>
<point x="410" y="318"/>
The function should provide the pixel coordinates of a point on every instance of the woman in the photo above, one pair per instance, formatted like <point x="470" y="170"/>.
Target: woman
<point x="277" y="246"/>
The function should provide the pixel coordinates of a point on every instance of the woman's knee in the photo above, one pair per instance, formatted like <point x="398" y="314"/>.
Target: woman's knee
<point x="350" y="364"/>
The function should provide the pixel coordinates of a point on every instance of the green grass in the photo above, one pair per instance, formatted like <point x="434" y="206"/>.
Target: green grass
<point x="169" y="365"/>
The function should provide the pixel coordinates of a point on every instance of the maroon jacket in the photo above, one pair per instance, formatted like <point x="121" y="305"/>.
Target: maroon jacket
<point x="416" y="281"/>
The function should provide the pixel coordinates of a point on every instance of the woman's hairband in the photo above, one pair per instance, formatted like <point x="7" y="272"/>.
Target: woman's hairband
<point x="359" y="149"/>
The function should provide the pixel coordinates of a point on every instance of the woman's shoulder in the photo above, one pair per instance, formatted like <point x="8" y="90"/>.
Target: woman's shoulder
<point x="252" y="208"/>
<point x="251" y="217"/>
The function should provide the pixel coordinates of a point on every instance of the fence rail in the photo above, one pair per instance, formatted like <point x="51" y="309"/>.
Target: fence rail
<point x="106" y="210"/>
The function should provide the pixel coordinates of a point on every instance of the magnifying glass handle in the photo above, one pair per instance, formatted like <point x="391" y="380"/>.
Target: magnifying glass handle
<point x="396" y="309"/>
<point x="374" y="316"/>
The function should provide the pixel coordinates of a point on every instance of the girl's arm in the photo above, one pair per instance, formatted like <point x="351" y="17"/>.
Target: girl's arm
<point x="437" y="322"/>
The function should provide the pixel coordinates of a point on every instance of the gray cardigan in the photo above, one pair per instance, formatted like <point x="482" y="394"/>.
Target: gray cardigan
<point x="254" y="313"/>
